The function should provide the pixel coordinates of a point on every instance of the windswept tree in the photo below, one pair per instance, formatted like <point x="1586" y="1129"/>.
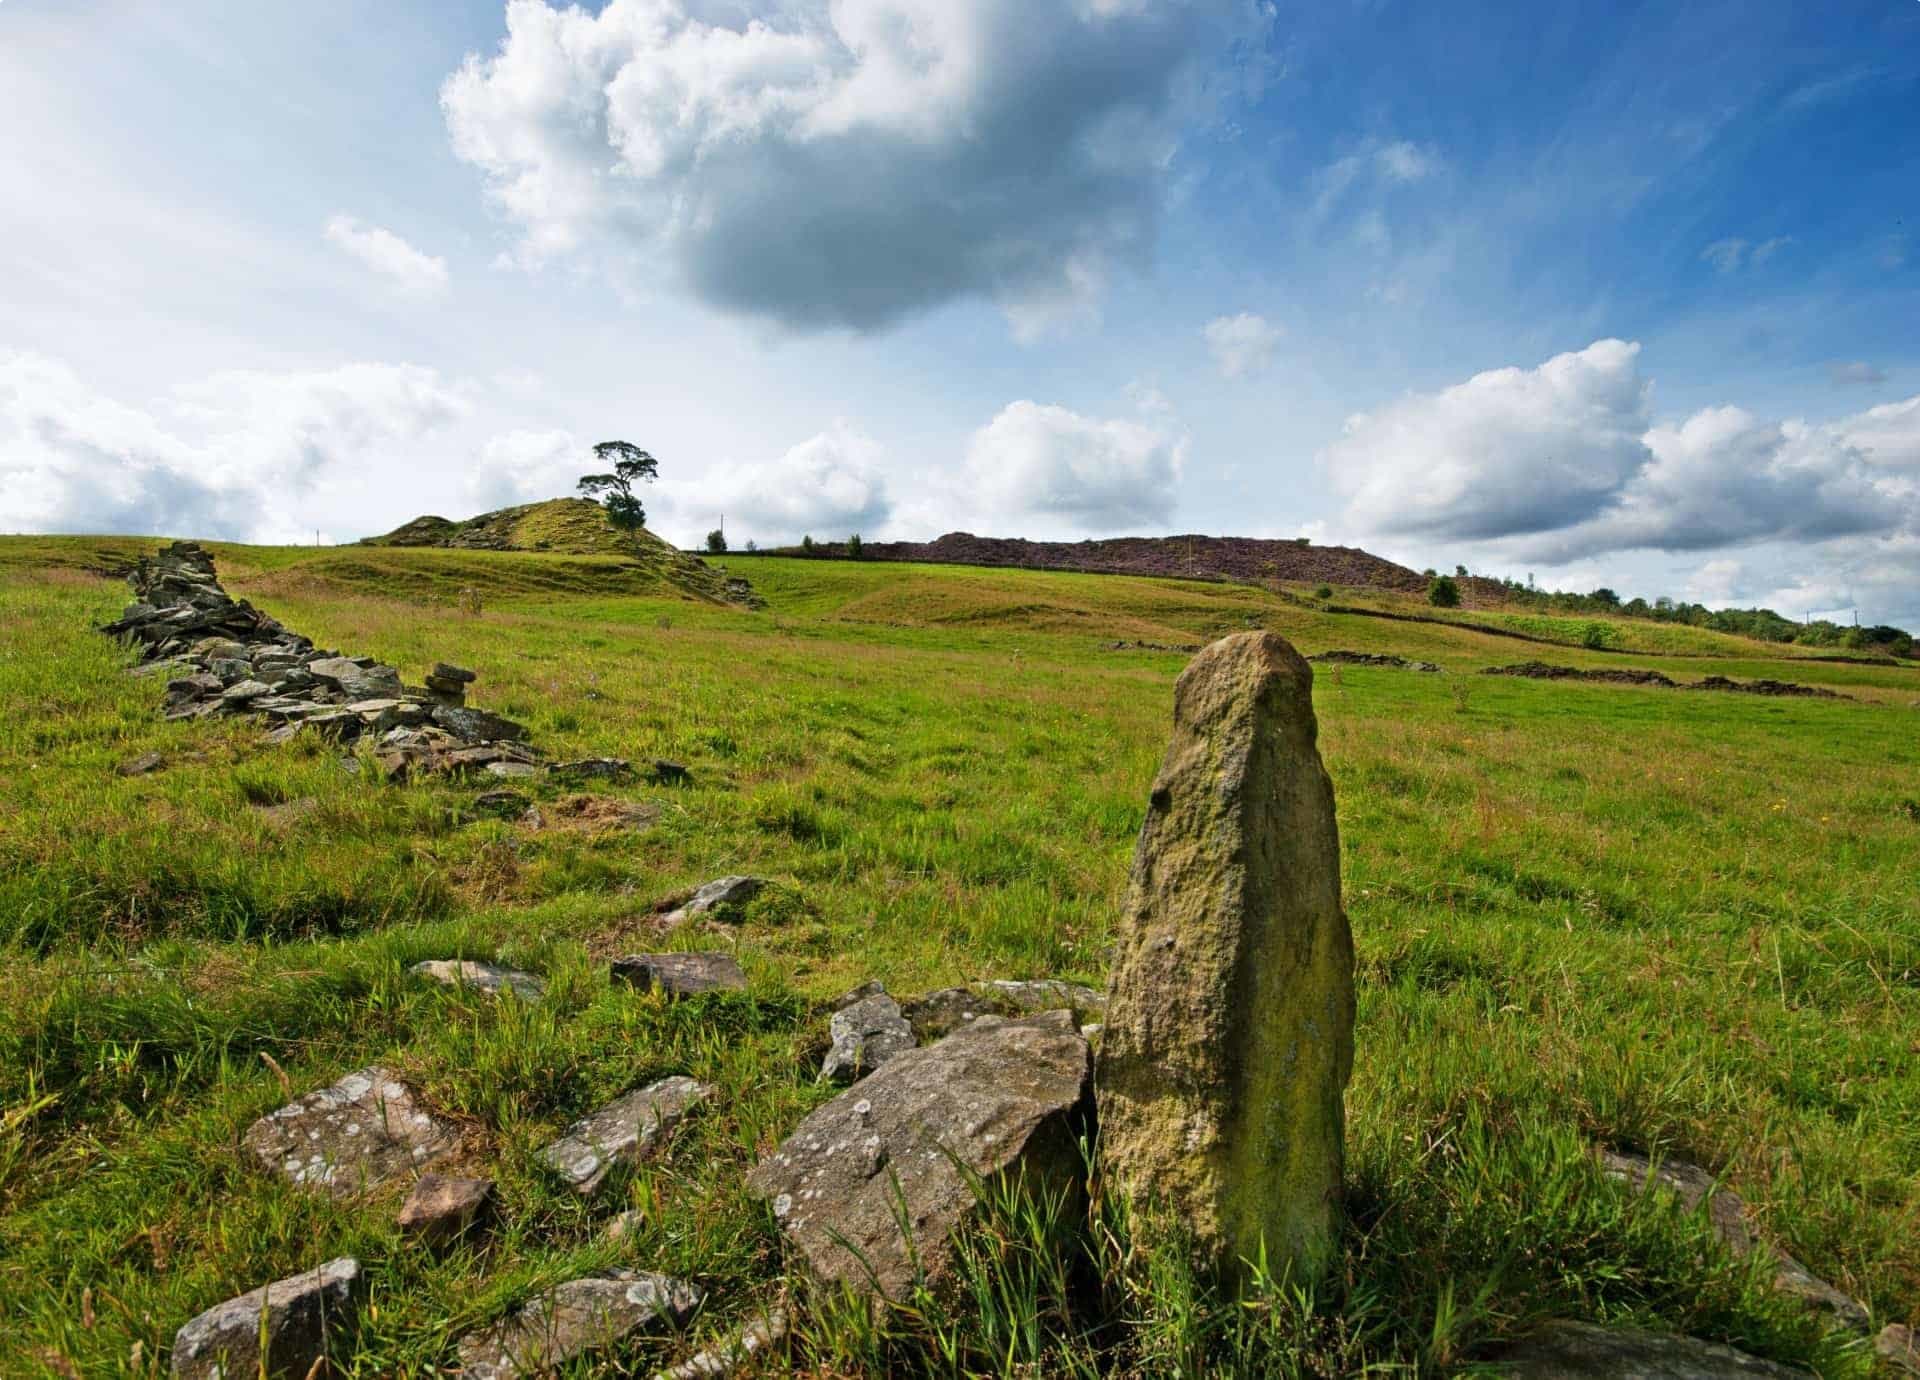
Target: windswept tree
<point x="615" y="491"/>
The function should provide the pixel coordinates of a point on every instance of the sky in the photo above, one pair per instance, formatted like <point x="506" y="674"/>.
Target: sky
<point x="1617" y="294"/>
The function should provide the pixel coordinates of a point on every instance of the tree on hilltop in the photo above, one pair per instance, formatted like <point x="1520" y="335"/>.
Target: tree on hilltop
<point x="615" y="491"/>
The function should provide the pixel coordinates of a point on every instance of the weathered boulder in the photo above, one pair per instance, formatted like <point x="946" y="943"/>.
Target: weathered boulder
<point x="477" y="725"/>
<point x="1574" y="1351"/>
<point x="358" y="1133"/>
<point x="625" y="1131"/>
<point x="681" y="975"/>
<point x="1228" y="1037"/>
<point x="575" y="1319"/>
<point x="1001" y="1096"/>
<point x="936" y="1015"/>
<point x="721" y="894"/>
<point x="593" y="769"/>
<point x="865" y="1033"/>
<point x="1727" y="1216"/>
<point x="141" y="765"/>
<point x="442" y="1208"/>
<point x="294" y="1316"/>
<point x="482" y="977"/>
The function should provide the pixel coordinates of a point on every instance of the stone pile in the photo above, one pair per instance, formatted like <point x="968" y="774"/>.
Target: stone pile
<point x="223" y="657"/>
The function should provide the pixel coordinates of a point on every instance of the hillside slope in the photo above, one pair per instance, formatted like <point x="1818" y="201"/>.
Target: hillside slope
<point x="570" y="527"/>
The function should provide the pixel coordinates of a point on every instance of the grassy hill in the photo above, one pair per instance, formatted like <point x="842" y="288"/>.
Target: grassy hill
<point x="568" y="527"/>
<point x="1585" y="915"/>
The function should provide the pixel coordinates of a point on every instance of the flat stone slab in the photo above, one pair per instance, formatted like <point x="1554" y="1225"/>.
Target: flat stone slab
<point x="575" y="1319"/>
<point x="625" y="1131"/>
<point x="1046" y="994"/>
<point x="720" y="894"/>
<point x="865" y="1034"/>
<point x="593" y="769"/>
<point x="355" y="681"/>
<point x="681" y="975"/>
<point x="442" y="1208"/>
<point x="1726" y="1214"/>
<point x="1574" y="1351"/>
<point x="300" y="1313"/>
<point x="484" y="977"/>
<point x="357" y="1134"/>
<point x="901" y="1144"/>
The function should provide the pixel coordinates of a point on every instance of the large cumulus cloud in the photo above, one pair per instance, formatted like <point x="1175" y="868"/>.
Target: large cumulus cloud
<point x="843" y="163"/>
<point x="1039" y="462"/>
<point x="829" y="485"/>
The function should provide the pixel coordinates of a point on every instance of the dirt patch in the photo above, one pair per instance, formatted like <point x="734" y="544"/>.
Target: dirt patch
<point x="590" y="814"/>
<point x="1399" y="663"/>
<point x="1540" y="670"/>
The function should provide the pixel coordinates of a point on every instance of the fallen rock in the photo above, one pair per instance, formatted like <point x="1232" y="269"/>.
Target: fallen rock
<point x="503" y="803"/>
<point x="681" y="975"/>
<point x="1229" y="1027"/>
<point x="512" y="771"/>
<point x="355" y="681"/>
<point x="484" y="977"/>
<point x="1000" y="1096"/>
<point x="936" y="1015"/>
<point x="1047" y="994"/>
<point x="721" y="894"/>
<point x="593" y="769"/>
<point x="668" y="773"/>
<point x="1727" y="1215"/>
<point x="477" y="725"/>
<point x="1897" y="1346"/>
<point x="575" y="1319"/>
<point x="1573" y="1350"/>
<point x="865" y="1034"/>
<point x="357" y="1134"/>
<point x="141" y="765"/>
<point x="625" y="1131"/>
<point x="735" y="1351"/>
<point x="458" y="675"/>
<point x="294" y="1316"/>
<point x="441" y="1209"/>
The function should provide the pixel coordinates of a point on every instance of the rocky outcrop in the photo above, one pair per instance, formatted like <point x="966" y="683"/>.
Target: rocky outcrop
<point x="719" y="898"/>
<point x="225" y="658"/>
<point x="897" y="1148"/>
<point x="1229" y="1028"/>
<point x="1398" y="663"/>
<point x="575" y="1319"/>
<point x="1575" y="1351"/>
<point x="357" y="1134"/>
<point x="1543" y="670"/>
<point x="293" y="1317"/>
<point x="625" y="1131"/>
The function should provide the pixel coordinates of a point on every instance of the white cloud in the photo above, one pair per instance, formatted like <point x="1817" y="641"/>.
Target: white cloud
<point x="842" y="163"/>
<point x="245" y="456"/>
<point x="1508" y="451"/>
<point x="1855" y="372"/>
<point x="1728" y="255"/>
<point x="1242" y="345"/>
<point x="415" y="274"/>
<point x="827" y="486"/>
<point x="1402" y="161"/>
<point x="1095" y="474"/>
<point x="1563" y="463"/>
<point x="527" y="467"/>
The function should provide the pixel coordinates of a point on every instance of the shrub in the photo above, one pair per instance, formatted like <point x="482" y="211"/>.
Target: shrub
<point x="1443" y="593"/>
<point x="1597" y="636"/>
<point x="717" y="541"/>
<point x="1323" y="591"/>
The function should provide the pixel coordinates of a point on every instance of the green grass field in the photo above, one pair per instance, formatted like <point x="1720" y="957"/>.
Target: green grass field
<point x="1585" y="915"/>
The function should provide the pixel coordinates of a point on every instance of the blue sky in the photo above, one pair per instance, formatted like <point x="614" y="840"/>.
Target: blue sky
<point x="1619" y="294"/>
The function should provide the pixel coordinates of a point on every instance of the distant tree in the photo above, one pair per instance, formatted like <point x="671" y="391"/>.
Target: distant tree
<point x="752" y="545"/>
<point x="1303" y="541"/>
<point x="853" y="547"/>
<point x="1460" y="571"/>
<point x="806" y="544"/>
<point x="1606" y="597"/>
<point x="717" y="542"/>
<point x="1443" y="593"/>
<point x="1430" y="572"/>
<point x="615" y="491"/>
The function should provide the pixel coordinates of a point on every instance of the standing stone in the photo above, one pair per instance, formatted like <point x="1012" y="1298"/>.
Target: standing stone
<point x="1229" y="1029"/>
<point x="293" y="1316"/>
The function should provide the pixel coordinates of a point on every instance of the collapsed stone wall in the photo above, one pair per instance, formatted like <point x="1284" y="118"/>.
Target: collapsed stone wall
<point x="223" y="657"/>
